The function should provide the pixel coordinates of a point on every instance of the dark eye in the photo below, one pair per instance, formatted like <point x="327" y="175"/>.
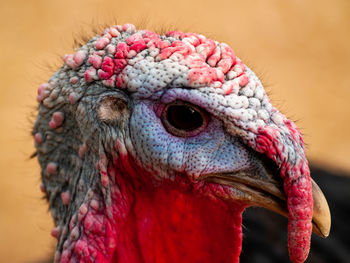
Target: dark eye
<point x="183" y="119"/>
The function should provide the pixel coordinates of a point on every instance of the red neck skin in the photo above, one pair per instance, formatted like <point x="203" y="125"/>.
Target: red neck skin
<point x="169" y="221"/>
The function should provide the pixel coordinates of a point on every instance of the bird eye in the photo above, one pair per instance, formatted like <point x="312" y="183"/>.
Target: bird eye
<point x="184" y="119"/>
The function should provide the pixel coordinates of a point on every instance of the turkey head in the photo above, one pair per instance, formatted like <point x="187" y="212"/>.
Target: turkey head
<point x="151" y="147"/>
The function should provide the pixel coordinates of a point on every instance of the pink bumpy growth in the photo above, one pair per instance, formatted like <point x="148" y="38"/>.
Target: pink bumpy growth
<point x="298" y="189"/>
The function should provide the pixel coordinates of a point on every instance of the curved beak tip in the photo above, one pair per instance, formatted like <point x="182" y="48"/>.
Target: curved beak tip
<point x="321" y="218"/>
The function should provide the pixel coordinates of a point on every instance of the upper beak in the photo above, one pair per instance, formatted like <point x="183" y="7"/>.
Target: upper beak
<point x="261" y="187"/>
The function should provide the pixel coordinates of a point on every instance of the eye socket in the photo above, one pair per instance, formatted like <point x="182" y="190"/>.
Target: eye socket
<point x="184" y="119"/>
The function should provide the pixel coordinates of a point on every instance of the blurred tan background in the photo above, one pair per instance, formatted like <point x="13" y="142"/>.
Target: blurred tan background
<point x="299" y="48"/>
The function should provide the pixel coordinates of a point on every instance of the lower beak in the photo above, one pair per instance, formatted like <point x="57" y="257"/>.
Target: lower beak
<point x="266" y="191"/>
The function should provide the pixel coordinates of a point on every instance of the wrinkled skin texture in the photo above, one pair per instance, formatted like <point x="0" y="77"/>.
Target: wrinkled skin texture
<point x="114" y="174"/>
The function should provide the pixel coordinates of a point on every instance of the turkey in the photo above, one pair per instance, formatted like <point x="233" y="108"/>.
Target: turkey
<point x="151" y="147"/>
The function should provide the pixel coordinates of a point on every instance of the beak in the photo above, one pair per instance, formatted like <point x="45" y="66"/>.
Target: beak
<point x="260" y="186"/>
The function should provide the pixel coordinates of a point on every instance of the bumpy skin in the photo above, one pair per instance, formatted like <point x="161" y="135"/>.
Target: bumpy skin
<point x="75" y="145"/>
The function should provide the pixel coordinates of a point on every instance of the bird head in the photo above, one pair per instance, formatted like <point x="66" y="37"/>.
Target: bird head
<point x="151" y="147"/>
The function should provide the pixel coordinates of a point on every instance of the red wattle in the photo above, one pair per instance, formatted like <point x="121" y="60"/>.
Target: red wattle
<point x="170" y="222"/>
